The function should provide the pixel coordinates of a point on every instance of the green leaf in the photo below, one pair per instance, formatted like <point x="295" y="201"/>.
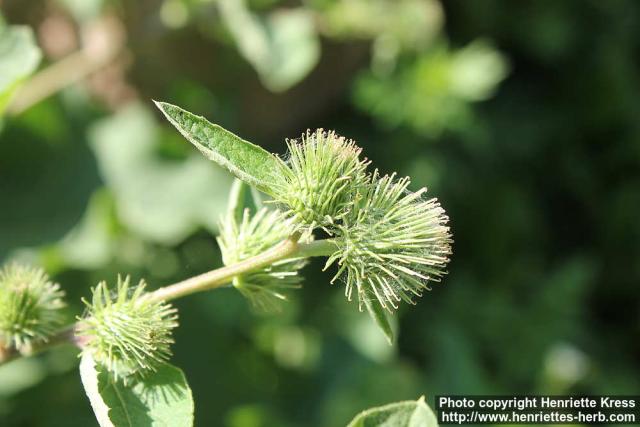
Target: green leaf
<point x="379" y="316"/>
<point x="283" y="46"/>
<point x="160" y="399"/>
<point x="400" y="414"/>
<point x="245" y="160"/>
<point x="91" y="381"/>
<point x="19" y="57"/>
<point x="20" y="375"/>
<point x="163" y="199"/>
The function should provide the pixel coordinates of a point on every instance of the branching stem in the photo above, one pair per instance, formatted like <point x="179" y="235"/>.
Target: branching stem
<point x="289" y="248"/>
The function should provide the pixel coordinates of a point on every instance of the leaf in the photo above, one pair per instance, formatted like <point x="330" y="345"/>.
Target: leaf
<point x="163" y="199"/>
<point x="160" y="399"/>
<point x="19" y="57"/>
<point x="20" y="375"/>
<point x="90" y="380"/>
<point x="245" y="160"/>
<point x="283" y="47"/>
<point x="294" y="48"/>
<point x="379" y="316"/>
<point x="400" y="414"/>
<point x="408" y="24"/>
<point x="476" y="71"/>
<point x="50" y="170"/>
<point x="436" y="90"/>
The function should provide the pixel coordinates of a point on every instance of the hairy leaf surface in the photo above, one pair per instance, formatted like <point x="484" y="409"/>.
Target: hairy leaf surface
<point x="245" y="160"/>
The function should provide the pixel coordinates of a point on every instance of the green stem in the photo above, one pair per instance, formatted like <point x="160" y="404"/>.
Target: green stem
<point x="289" y="248"/>
<point x="323" y="247"/>
<point x="65" y="336"/>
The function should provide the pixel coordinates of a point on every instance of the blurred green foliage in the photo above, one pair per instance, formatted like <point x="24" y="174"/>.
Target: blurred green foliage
<point x="19" y="57"/>
<point x="521" y="117"/>
<point x="432" y="93"/>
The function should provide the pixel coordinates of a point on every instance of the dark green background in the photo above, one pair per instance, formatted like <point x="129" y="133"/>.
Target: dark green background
<point x="541" y="181"/>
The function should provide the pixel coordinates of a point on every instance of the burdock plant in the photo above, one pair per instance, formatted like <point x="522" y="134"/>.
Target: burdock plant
<point x="29" y="307"/>
<point x="243" y="236"/>
<point x="391" y="244"/>
<point x="320" y="180"/>
<point x="125" y="331"/>
<point x="386" y="242"/>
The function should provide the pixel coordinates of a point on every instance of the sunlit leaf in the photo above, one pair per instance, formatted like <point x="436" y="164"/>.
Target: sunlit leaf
<point x="476" y="71"/>
<point x="435" y="91"/>
<point x="160" y="399"/>
<point x="245" y="160"/>
<point x="401" y="414"/>
<point x="162" y="199"/>
<point x="283" y="48"/>
<point x="408" y="23"/>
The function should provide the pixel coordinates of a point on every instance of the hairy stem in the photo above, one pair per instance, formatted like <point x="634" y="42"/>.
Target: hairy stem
<point x="216" y="278"/>
<point x="289" y="248"/>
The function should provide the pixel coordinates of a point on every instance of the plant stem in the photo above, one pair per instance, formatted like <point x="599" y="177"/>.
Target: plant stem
<point x="289" y="248"/>
<point x="65" y="336"/>
<point x="324" y="247"/>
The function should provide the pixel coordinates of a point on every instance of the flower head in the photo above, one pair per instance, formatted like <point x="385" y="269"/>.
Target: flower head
<point x="391" y="244"/>
<point x="266" y="287"/>
<point x="320" y="179"/>
<point x="29" y="306"/>
<point x="125" y="331"/>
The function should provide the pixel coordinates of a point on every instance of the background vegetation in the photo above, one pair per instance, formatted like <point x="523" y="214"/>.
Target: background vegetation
<point x="521" y="117"/>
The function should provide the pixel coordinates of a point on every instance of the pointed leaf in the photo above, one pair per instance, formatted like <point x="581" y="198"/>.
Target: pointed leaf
<point x="162" y="398"/>
<point x="245" y="160"/>
<point x="401" y="414"/>
<point x="379" y="316"/>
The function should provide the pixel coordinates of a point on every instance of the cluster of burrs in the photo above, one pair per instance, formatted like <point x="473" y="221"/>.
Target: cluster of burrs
<point x="124" y="330"/>
<point x="390" y="242"/>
